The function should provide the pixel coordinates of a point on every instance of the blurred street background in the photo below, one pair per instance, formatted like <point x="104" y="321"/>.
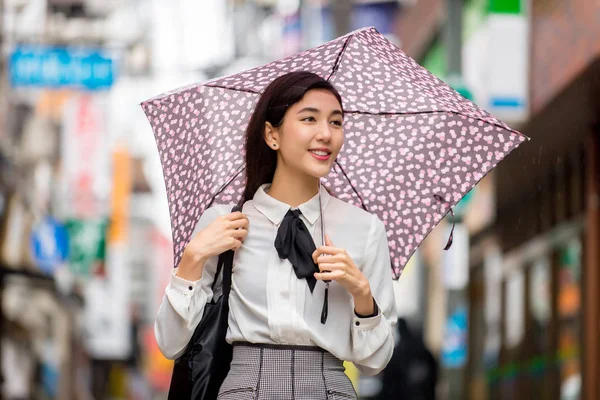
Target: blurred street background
<point x="511" y="311"/>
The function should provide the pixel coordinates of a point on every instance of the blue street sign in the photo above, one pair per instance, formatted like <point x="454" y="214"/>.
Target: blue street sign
<point x="55" y="67"/>
<point x="454" y="347"/>
<point x="49" y="245"/>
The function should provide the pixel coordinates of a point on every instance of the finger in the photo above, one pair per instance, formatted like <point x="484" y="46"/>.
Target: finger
<point x="235" y="216"/>
<point x="332" y="266"/>
<point x="329" y="276"/>
<point x="335" y="258"/>
<point x="325" y="250"/>
<point x="328" y="241"/>
<point x="236" y="245"/>
<point x="329" y="250"/>
<point x="238" y="223"/>
<point x="314" y="256"/>
<point x="240" y="234"/>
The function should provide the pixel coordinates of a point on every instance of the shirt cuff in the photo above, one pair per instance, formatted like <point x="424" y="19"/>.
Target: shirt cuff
<point x="369" y="321"/>
<point x="182" y="285"/>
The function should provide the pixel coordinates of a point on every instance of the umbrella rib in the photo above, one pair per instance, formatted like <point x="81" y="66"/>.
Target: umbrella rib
<point x="352" y="186"/>
<point x="240" y="169"/>
<point x="390" y="114"/>
<point x="338" y="60"/>
<point x="234" y="89"/>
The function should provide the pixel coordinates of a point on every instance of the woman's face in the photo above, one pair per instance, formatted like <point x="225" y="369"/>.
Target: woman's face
<point x="311" y="135"/>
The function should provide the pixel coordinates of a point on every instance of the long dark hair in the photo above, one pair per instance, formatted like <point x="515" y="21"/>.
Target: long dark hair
<point x="281" y="94"/>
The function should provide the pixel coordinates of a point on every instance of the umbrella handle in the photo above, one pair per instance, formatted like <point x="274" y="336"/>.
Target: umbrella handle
<point x="325" y="310"/>
<point x="322" y="224"/>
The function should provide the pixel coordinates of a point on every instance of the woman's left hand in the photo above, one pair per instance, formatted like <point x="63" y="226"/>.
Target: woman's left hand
<point x="341" y="269"/>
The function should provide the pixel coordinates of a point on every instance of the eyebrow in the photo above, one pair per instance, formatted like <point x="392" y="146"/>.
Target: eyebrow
<point x="315" y="110"/>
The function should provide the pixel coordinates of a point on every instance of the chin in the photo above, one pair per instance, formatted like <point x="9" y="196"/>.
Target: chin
<point x="315" y="169"/>
<point x="319" y="173"/>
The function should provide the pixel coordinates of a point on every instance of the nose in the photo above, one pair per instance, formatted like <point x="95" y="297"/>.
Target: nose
<point x="324" y="133"/>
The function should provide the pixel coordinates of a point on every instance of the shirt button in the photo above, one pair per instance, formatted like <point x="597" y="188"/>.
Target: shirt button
<point x="357" y="323"/>
<point x="190" y="287"/>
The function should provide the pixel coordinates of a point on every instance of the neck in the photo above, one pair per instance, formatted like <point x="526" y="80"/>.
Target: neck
<point x="293" y="188"/>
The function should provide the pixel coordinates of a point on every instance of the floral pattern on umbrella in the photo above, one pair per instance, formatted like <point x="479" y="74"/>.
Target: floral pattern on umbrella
<point x="413" y="146"/>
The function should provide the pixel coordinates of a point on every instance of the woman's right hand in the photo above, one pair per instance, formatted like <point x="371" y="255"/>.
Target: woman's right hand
<point x="227" y="232"/>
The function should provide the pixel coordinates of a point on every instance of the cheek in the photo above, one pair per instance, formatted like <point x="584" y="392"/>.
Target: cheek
<point x="338" y="141"/>
<point x="294" y="144"/>
<point x="298" y="139"/>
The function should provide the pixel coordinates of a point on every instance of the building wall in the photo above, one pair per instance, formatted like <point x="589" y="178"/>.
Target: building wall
<point x="565" y="30"/>
<point x="418" y="25"/>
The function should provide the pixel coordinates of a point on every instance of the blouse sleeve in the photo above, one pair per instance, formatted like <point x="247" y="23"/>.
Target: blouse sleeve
<point x="183" y="304"/>
<point x="372" y="338"/>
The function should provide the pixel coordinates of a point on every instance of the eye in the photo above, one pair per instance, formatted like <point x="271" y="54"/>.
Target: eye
<point x="338" y="122"/>
<point x="309" y="119"/>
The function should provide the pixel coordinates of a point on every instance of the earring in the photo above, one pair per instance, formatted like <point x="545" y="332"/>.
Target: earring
<point x="274" y="145"/>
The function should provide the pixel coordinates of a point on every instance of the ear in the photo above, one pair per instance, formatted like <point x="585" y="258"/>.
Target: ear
<point x="271" y="136"/>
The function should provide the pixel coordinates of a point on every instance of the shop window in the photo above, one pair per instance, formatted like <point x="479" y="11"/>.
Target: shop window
<point x="539" y="362"/>
<point x="569" y="319"/>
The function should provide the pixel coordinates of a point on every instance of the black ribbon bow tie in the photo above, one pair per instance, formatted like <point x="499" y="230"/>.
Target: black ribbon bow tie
<point x="295" y="243"/>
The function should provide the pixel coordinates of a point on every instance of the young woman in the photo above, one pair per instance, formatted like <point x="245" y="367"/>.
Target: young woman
<point x="290" y="337"/>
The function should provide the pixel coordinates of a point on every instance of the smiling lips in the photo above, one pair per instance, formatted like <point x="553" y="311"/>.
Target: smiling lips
<point x="321" y="154"/>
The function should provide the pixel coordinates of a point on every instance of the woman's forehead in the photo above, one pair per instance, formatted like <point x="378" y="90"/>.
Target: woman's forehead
<point x="320" y="99"/>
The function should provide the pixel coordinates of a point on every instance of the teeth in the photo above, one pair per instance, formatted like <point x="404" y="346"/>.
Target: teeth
<point x="320" y="153"/>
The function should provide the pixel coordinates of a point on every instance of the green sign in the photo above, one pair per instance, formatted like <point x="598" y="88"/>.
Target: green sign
<point x="87" y="242"/>
<point x="505" y="6"/>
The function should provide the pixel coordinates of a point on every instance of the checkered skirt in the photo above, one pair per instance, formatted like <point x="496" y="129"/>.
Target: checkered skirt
<point x="272" y="372"/>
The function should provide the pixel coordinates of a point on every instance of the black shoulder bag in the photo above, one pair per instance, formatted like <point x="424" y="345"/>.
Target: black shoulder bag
<point x="199" y="372"/>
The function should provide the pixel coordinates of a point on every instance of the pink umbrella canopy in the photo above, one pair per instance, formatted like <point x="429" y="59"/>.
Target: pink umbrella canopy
<point x="413" y="146"/>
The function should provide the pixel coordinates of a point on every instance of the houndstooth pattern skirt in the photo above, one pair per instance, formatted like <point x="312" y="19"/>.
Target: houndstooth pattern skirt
<point x="271" y="372"/>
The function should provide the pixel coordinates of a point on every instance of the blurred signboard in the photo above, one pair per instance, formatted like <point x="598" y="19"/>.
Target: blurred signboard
<point x="569" y="288"/>
<point x="454" y="349"/>
<point x="49" y="245"/>
<point x="508" y="61"/>
<point x="121" y="193"/>
<point x="85" y="156"/>
<point x="108" y="294"/>
<point x="87" y="243"/>
<point x="48" y="66"/>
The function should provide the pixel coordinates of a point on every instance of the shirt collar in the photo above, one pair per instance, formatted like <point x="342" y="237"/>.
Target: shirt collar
<point x="275" y="210"/>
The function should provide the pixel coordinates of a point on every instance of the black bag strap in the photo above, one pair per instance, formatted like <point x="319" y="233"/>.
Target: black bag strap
<point x="225" y="260"/>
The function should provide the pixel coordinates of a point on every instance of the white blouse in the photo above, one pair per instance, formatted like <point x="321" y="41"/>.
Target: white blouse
<point x="269" y="304"/>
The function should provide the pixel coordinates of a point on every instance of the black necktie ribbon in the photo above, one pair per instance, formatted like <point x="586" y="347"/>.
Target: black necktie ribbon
<point x="294" y="242"/>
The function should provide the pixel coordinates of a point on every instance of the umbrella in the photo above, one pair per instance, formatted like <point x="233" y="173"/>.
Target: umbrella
<point x="413" y="146"/>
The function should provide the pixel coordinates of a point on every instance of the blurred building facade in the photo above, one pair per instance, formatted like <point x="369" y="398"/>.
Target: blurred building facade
<point x="552" y="249"/>
<point x="532" y="265"/>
